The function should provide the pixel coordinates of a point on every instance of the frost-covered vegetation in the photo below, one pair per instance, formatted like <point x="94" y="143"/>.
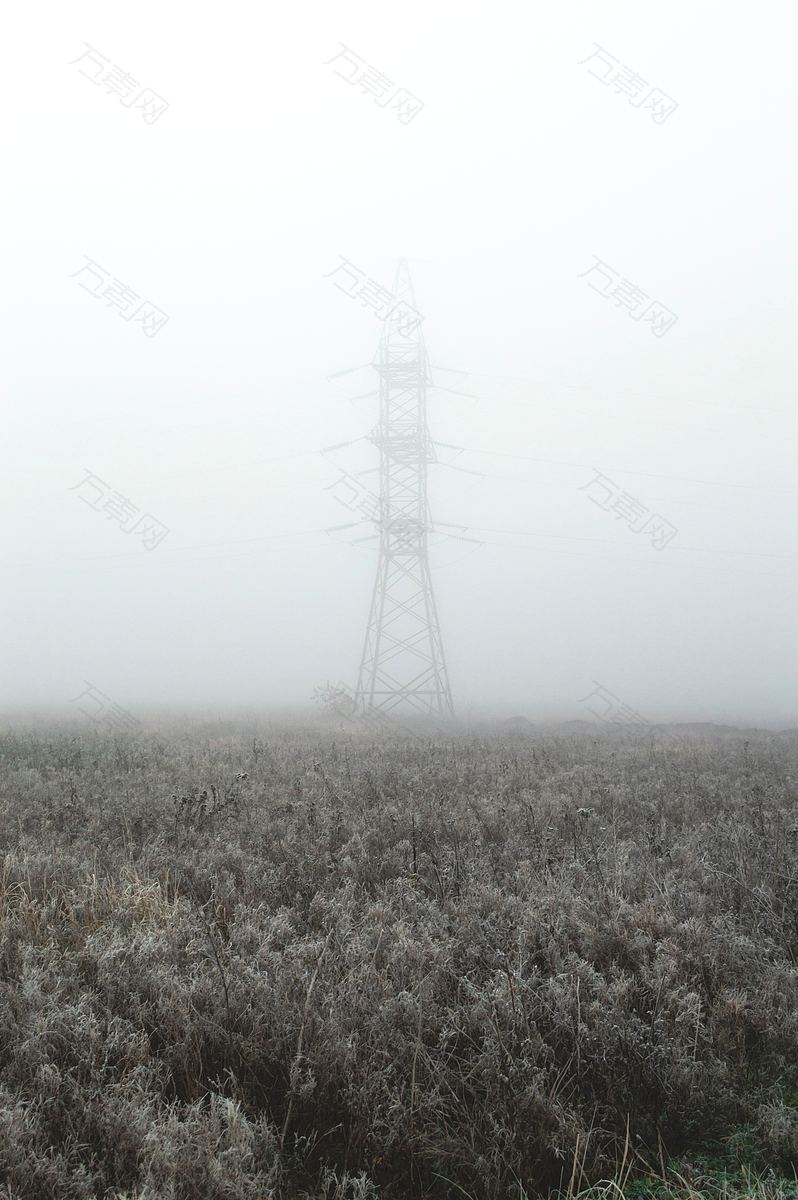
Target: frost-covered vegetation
<point x="283" y="963"/>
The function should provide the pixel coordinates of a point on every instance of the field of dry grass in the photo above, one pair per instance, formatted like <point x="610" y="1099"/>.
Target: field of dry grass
<point x="269" y="962"/>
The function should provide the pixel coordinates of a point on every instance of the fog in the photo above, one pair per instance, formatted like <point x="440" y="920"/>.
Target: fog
<point x="532" y="181"/>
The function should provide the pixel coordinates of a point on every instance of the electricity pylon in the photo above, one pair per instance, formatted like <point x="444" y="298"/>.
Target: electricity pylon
<point x="403" y="662"/>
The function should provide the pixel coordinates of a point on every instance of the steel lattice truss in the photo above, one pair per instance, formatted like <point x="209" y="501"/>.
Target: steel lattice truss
<point x="403" y="662"/>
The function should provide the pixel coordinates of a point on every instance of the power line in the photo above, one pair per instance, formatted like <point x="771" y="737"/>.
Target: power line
<point x="609" y="542"/>
<point x="622" y="470"/>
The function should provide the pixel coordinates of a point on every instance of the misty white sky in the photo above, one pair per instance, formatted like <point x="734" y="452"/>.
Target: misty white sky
<point x="230" y="211"/>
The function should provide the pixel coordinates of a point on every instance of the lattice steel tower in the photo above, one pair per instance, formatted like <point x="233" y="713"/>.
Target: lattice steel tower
<point x="403" y="662"/>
